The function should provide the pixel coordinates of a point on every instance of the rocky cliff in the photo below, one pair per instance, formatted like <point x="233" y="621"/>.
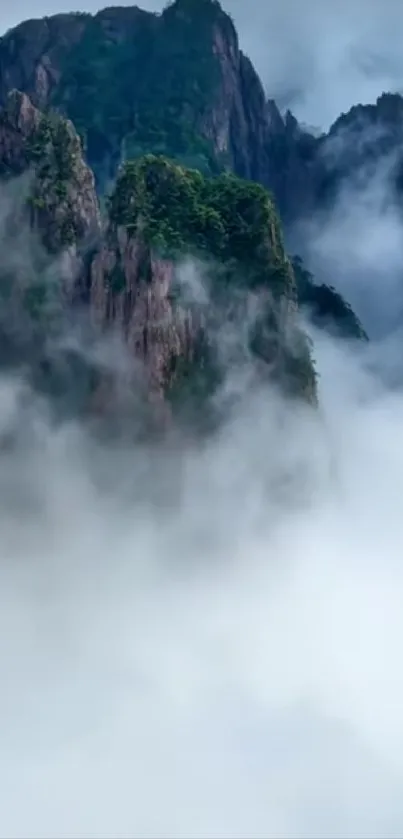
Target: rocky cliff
<point x="177" y="83"/>
<point x="160" y="214"/>
<point x="196" y="96"/>
<point x="61" y="191"/>
<point x="126" y="275"/>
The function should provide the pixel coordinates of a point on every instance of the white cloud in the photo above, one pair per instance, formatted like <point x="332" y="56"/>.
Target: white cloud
<point x="221" y="661"/>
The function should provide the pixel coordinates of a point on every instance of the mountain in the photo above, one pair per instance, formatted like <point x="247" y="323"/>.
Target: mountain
<point x="177" y="84"/>
<point x="170" y="115"/>
<point x="327" y="308"/>
<point x="126" y="274"/>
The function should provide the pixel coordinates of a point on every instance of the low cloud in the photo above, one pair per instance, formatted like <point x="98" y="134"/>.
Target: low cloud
<point x="356" y="242"/>
<point x="204" y="641"/>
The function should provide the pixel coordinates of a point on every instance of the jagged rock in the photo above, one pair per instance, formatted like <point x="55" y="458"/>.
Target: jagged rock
<point x="32" y="55"/>
<point x="160" y="213"/>
<point x="198" y="100"/>
<point x="196" y="96"/>
<point x="62" y="200"/>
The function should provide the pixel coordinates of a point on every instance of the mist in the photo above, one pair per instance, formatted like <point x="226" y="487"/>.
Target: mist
<point x="220" y="657"/>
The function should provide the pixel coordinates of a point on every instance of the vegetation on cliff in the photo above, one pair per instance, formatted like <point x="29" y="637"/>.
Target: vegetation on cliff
<point x="327" y="308"/>
<point x="62" y="198"/>
<point x="167" y="94"/>
<point x="232" y="226"/>
<point x="53" y="150"/>
<point x="146" y="88"/>
<point x="178" y="210"/>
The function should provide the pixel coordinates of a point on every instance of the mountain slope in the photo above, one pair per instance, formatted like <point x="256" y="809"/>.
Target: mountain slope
<point x="195" y="96"/>
<point x="175" y="84"/>
<point x="125" y="275"/>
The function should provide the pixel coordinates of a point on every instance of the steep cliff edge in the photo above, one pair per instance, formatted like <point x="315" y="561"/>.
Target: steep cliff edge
<point x="61" y="197"/>
<point x="49" y="218"/>
<point x="177" y="83"/>
<point x="161" y="214"/>
<point x="326" y="307"/>
<point x="127" y="276"/>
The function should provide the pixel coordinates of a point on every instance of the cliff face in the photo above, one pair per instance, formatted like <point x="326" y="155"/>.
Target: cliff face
<point x="126" y="84"/>
<point x="358" y="144"/>
<point x="49" y="216"/>
<point x="176" y="84"/>
<point x="62" y="201"/>
<point x="32" y="55"/>
<point x="127" y="276"/>
<point x="160" y="214"/>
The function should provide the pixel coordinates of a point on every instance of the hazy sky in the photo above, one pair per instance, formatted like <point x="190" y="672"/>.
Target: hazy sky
<point x="321" y="56"/>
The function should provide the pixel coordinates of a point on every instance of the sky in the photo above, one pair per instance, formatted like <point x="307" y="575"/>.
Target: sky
<point x="318" y="57"/>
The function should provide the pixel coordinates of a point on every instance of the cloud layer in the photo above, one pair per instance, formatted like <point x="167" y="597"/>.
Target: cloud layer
<point x="206" y="642"/>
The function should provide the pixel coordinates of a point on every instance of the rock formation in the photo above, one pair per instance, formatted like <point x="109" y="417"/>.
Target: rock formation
<point x="125" y="273"/>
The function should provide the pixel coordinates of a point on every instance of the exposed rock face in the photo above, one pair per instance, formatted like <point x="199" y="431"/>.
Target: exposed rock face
<point x="19" y="121"/>
<point x="128" y="282"/>
<point x="139" y="310"/>
<point x="196" y="97"/>
<point x="130" y="293"/>
<point x="32" y="54"/>
<point x="62" y="199"/>
<point x="135" y="277"/>
<point x="49" y="217"/>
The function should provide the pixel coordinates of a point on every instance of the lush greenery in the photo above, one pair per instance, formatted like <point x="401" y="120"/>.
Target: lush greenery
<point x="232" y="225"/>
<point x="224" y="217"/>
<point x="54" y="150"/>
<point x="145" y="88"/>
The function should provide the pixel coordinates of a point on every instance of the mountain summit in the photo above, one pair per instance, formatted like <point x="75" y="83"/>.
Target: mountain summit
<point x="172" y="118"/>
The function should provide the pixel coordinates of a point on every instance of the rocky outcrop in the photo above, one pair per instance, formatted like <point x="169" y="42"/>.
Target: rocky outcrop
<point x="196" y="97"/>
<point x="197" y="100"/>
<point x="127" y="276"/>
<point x="49" y="218"/>
<point x="160" y="214"/>
<point x="19" y="122"/>
<point x="62" y="202"/>
<point x="32" y="55"/>
<point x="131" y="297"/>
